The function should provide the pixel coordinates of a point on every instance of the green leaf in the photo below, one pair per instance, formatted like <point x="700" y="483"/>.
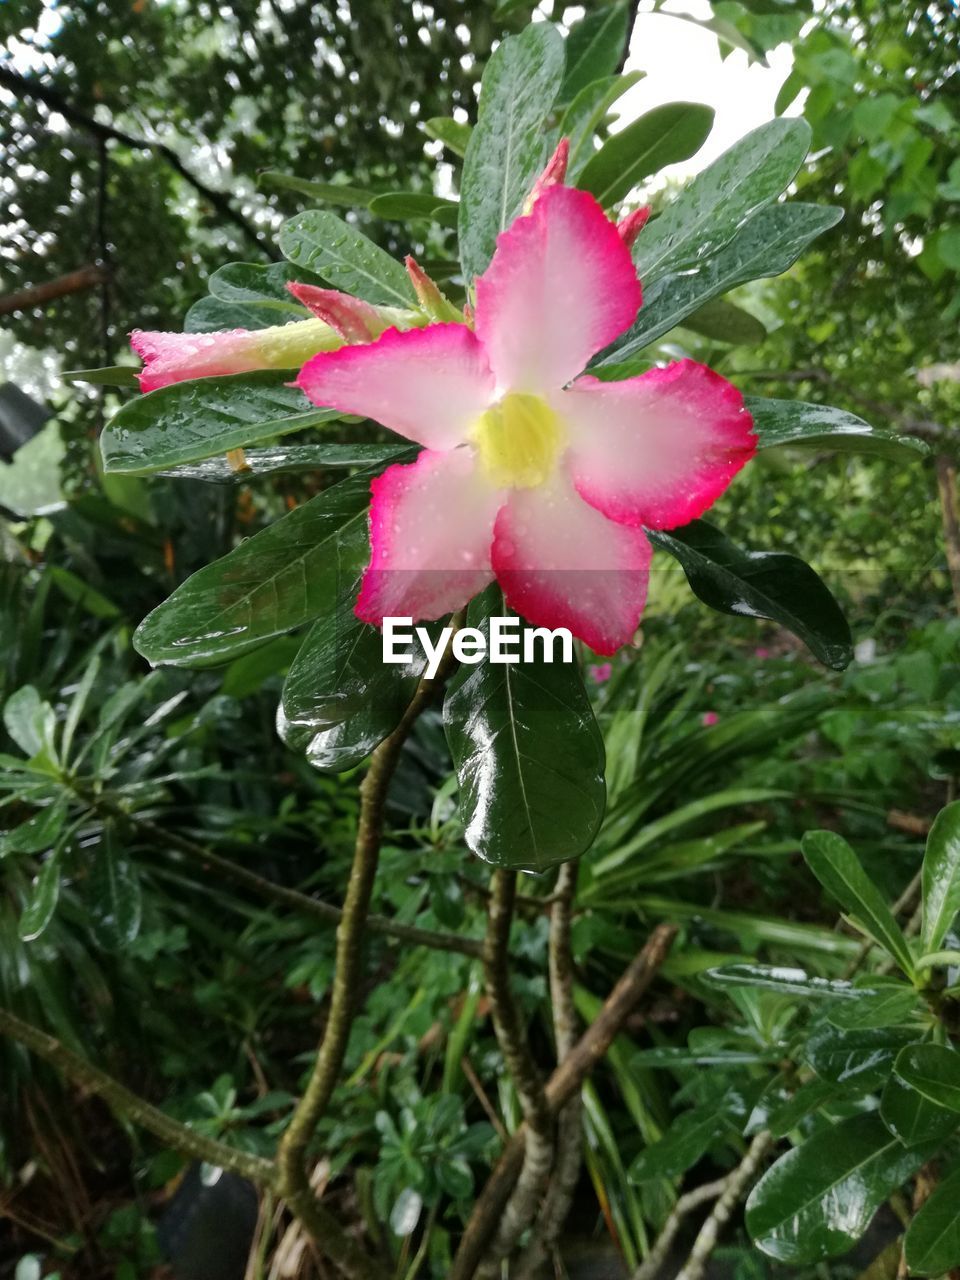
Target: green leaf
<point x="324" y="192"/>
<point x="716" y="203"/>
<point x="454" y="135"/>
<point x="508" y="146"/>
<point x="38" y="833"/>
<point x="941" y="876"/>
<point x="838" y="869"/>
<point x="189" y="421"/>
<point x="340" y="699"/>
<point x="724" y="322"/>
<point x="788" y="981"/>
<point x="30" y="722"/>
<point x="42" y="902"/>
<point x="794" y="424"/>
<point x="889" y="1006"/>
<point x="113" y="894"/>
<point x="911" y="1117"/>
<point x="819" y="1198"/>
<point x="265" y="286"/>
<point x="586" y="112"/>
<point x="595" y="47"/>
<point x="402" y="206"/>
<point x="860" y="1058"/>
<point x="288" y="458"/>
<point x="284" y="576"/>
<point x="528" y="755"/>
<point x="934" y="1071"/>
<point x="810" y="1097"/>
<point x="212" y="315"/>
<point x="767" y="245"/>
<point x="111" y="375"/>
<point x="932" y="1242"/>
<point x="345" y="258"/>
<point x="760" y="584"/>
<point x="683" y="1144"/>
<point x="662" y="136"/>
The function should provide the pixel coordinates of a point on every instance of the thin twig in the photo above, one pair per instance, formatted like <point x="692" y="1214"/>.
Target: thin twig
<point x="565" y="1082"/>
<point x="736" y="1186"/>
<point x="684" y="1206"/>
<point x="519" y="1210"/>
<point x="569" y="1150"/>
<point x="293" y="1181"/>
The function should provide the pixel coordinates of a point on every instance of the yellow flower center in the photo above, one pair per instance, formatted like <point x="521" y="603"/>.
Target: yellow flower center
<point x="518" y="440"/>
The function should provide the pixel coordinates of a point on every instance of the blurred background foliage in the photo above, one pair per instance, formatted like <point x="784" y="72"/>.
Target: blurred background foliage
<point x="724" y="741"/>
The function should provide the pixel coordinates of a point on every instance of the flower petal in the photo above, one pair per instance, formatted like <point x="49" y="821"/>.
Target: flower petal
<point x="562" y="564"/>
<point x="560" y="287"/>
<point x="658" y="449"/>
<point x="431" y="526"/>
<point x="429" y="385"/>
<point x="177" y="357"/>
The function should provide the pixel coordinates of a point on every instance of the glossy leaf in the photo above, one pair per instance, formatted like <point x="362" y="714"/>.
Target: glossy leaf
<point x="818" y="1199"/>
<point x="113" y="894"/>
<point x="322" y="192"/>
<point x="585" y="114"/>
<point x="43" y="899"/>
<point x="911" y="1117"/>
<point x="767" y="245"/>
<point x="788" y="981"/>
<point x="684" y="1143"/>
<point x="863" y="1059"/>
<point x="340" y="699"/>
<point x="888" y="1006"/>
<point x="760" y="584"/>
<point x="190" y="421"/>
<point x="840" y="872"/>
<point x="211" y="315"/>
<point x="30" y="722"/>
<point x="265" y="286"/>
<point x="724" y="322"/>
<point x="932" y="1242"/>
<point x="716" y="203"/>
<point x="508" y="145"/>
<point x="283" y="577"/>
<point x="288" y="458"/>
<point x="941" y="877"/>
<point x="450" y="132"/>
<point x="663" y="136"/>
<point x="794" y="424"/>
<point x="810" y="1097"/>
<point x="595" y="48"/>
<point x="933" y="1071"/>
<point x="112" y="375"/>
<point x="402" y="206"/>
<point x="38" y="833"/>
<point x="345" y="258"/>
<point x="528" y="755"/>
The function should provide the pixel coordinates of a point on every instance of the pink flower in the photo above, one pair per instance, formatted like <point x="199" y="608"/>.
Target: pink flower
<point x="531" y="475"/>
<point x="601" y="672"/>
<point x="761" y="653"/>
<point x="708" y="718"/>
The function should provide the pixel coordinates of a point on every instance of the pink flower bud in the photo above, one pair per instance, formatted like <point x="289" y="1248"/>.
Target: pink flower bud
<point x="709" y="718"/>
<point x="432" y="302"/>
<point x="553" y="174"/>
<point x="632" y="224"/>
<point x="352" y="318"/>
<point x="601" y="672"/>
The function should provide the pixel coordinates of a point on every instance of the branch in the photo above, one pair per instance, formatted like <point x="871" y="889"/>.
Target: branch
<point x="36" y="295"/>
<point x="736" y="1186"/>
<point x="560" y="1088"/>
<point x="655" y="1259"/>
<point x="23" y="86"/>
<point x="132" y="1107"/>
<point x="294" y="898"/>
<point x="519" y="1210"/>
<point x="293" y="1180"/>
<point x="566" y="1174"/>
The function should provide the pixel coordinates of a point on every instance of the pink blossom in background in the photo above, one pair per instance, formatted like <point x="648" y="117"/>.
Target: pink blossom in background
<point x="761" y="653"/>
<point x="601" y="671"/>
<point x="709" y="718"/>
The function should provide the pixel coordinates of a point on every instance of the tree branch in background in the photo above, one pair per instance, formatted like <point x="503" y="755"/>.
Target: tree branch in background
<point x="73" y="282"/>
<point x="564" y="1084"/>
<point x="27" y="87"/>
<point x="657" y="1256"/>
<point x="293" y="1178"/>
<point x="947" y="485"/>
<point x="569" y="1150"/>
<point x="521" y="1207"/>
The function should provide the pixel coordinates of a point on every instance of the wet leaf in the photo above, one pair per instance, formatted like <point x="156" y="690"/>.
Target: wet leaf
<point x="113" y="893"/>
<point x="911" y="1117"/>
<point x="933" y="1071"/>
<point x="941" y="877"/>
<point x="585" y="114"/>
<point x="863" y="1059"/>
<point x="932" y="1242"/>
<point x="277" y="459"/>
<point x="595" y="47"/>
<point x="42" y="901"/>
<point x="788" y="981"/>
<point x="794" y="424"/>
<point x="345" y="258"/>
<point x="663" y="136"/>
